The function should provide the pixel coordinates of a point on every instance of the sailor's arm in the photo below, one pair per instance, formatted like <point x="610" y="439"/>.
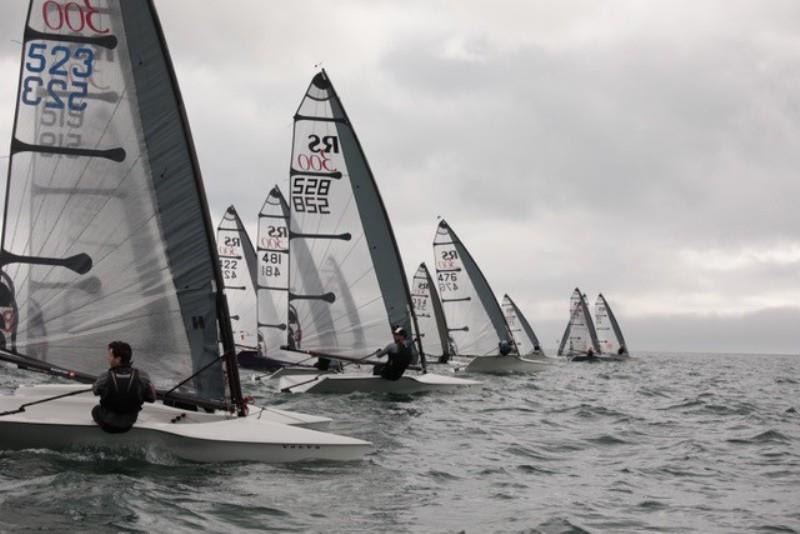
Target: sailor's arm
<point x="149" y="390"/>
<point x="101" y="384"/>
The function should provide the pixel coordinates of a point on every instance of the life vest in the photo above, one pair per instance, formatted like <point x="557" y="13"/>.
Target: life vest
<point x="398" y="362"/>
<point x="123" y="394"/>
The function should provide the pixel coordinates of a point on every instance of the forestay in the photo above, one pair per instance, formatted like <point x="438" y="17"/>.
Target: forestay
<point x="475" y="320"/>
<point x="430" y="316"/>
<point x="339" y="223"/>
<point x="609" y="334"/>
<point x="237" y="261"/>
<point x="524" y="337"/>
<point x="579" y="335"/>
<point x="106" y="232"/>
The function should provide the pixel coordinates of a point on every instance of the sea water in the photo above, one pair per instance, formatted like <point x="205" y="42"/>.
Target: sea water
<point x="662" y="443"/>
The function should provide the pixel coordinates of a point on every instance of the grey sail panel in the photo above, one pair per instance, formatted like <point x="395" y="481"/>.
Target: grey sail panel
<point x="106" y="233"/>
<point x="525" y="338"/>
<point x="429" y="313"/>
<point x="609" y="334"/>
<point x="475" y="320"/>
<point x="238" y="263"/>
<point x="338" y="215"/>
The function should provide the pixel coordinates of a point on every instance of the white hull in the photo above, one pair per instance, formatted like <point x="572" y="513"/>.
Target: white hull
<point x="506" y="364"/>
<point x="196" y="436"/>
<point x="294" y="371"/>
<point x="372" y="384"/>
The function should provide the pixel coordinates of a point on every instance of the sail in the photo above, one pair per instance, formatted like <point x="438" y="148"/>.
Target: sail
<point x="429" y="312"/>
<point x="579" y="335"/>
<point x="106" y="231"/>
<point x="524" y="337"/>
<point x="273" y="273"/>
<point x="609" y="335"/>
<point x="475" y="320"/>
<point x="237" y="261"/>
<point x="339" y="223"/>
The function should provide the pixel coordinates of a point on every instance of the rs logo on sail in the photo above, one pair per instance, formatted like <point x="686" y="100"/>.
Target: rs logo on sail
<point x="330" y="144"/>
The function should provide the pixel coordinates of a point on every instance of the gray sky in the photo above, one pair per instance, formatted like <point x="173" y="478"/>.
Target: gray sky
<point x="648" y="150"/>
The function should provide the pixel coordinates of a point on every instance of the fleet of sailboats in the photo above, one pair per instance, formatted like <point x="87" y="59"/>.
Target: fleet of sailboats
<point x="107" y="235"/>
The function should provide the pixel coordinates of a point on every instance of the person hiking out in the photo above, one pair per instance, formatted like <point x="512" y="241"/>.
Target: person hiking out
<point x="122" y="389"/>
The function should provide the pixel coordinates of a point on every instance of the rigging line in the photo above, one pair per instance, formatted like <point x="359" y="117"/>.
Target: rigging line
<point x="346" y="315"/>
<point x="330" y="242"/>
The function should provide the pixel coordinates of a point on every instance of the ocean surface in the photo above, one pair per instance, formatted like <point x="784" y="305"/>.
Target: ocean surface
<point x="663" y="443"/>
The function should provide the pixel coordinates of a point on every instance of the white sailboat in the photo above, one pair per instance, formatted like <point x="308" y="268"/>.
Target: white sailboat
<point x="579" y="342"/>
<point x="609" y="335"/>
<point x="350" y="291"/>
<point x="524" y="337"/>
<point x="107" y="235"/>
<point x="430" y="317"/>
<point x="475" y="321"/>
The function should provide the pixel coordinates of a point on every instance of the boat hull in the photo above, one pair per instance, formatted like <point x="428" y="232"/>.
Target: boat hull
<point x="195" y="436"/>
<point x="506" y="364"/>
<point x="371" y="384"/>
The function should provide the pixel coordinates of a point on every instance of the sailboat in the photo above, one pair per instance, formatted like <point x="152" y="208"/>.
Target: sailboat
<point x="107" y="235"/>
<point x="524" y="337"/>
<point x="430" y="316"/>
<point x="350" y="293"/>
<point x="238" y="264"/>
<point x="609" y="334"/>
<point x="475" y="321"/>
<point x="579" y="341"/>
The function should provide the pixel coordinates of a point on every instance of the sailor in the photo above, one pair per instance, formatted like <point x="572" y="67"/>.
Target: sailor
<point x="589" y="353"/>
<point x="622" y="350"/>
<point x="400" y="354"/>
<point x="505" y="348"/>
<point x="122" y="389"/>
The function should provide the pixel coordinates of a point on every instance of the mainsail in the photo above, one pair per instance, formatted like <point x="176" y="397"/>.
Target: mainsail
<point x="430" y="315"/>
<point x="475" y="320"/>
<point x="340" y="236"/>
<point x="579" y="335"/>
<point x="609" y="334"/>
<point x="238" y="265"/>
<point x="524" y="337"/>
<point x="273" y="273"/>
<point x="106" y="231"/>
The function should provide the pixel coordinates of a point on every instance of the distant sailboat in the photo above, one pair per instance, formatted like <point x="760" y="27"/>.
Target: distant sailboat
<point x="579" y="341"/>
<point x="524" y="337"/>
<point x="430" y="316"/>
<point x="107" y="235"/>
<point x="350" y="292"/>
<point x="475" y="321"/>
<point x="609" y="334"/>
<point x="237" y="261"/>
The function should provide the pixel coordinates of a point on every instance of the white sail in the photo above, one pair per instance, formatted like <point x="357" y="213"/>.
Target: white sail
<point x="475" y="320"/>
<point x="609" y="335"/>
<point x="237" y="261"/>
<point x="430" y="315"/>
<point x="346" y="287"/>
<point x="579" y="335"/>
<point x="273" y="273"/>
<point x="524" y="337"/>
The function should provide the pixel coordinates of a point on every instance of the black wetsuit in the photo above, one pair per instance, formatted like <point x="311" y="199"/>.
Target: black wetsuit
<point x="123" y="391"/>
<point x="400" y="357"/>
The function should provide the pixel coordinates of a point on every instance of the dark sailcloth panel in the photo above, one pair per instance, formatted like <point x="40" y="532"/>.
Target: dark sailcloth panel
<point x="237" y="261"/>
<point x="525" y="338"/>
<point x="475" y="320"/>
<point x="106" y="233"/>
<point x="338" y="216"/>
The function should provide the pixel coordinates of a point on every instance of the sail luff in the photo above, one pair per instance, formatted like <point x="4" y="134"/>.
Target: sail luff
<point x="590" y="325"/>
<point x="223" y="314"/>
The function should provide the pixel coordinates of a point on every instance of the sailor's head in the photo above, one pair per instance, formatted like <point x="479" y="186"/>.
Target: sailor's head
<point x="505" y="347"/>
<point x="399" y="333"/>
<point x="119" y="354"/>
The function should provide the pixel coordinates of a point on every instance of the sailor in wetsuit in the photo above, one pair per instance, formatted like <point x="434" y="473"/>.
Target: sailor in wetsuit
<point x="400" y="355"/>
<point x="122" y="389"/>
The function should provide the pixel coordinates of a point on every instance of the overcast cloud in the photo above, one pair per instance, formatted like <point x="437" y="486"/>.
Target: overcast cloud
<point x="648" y="150"/>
